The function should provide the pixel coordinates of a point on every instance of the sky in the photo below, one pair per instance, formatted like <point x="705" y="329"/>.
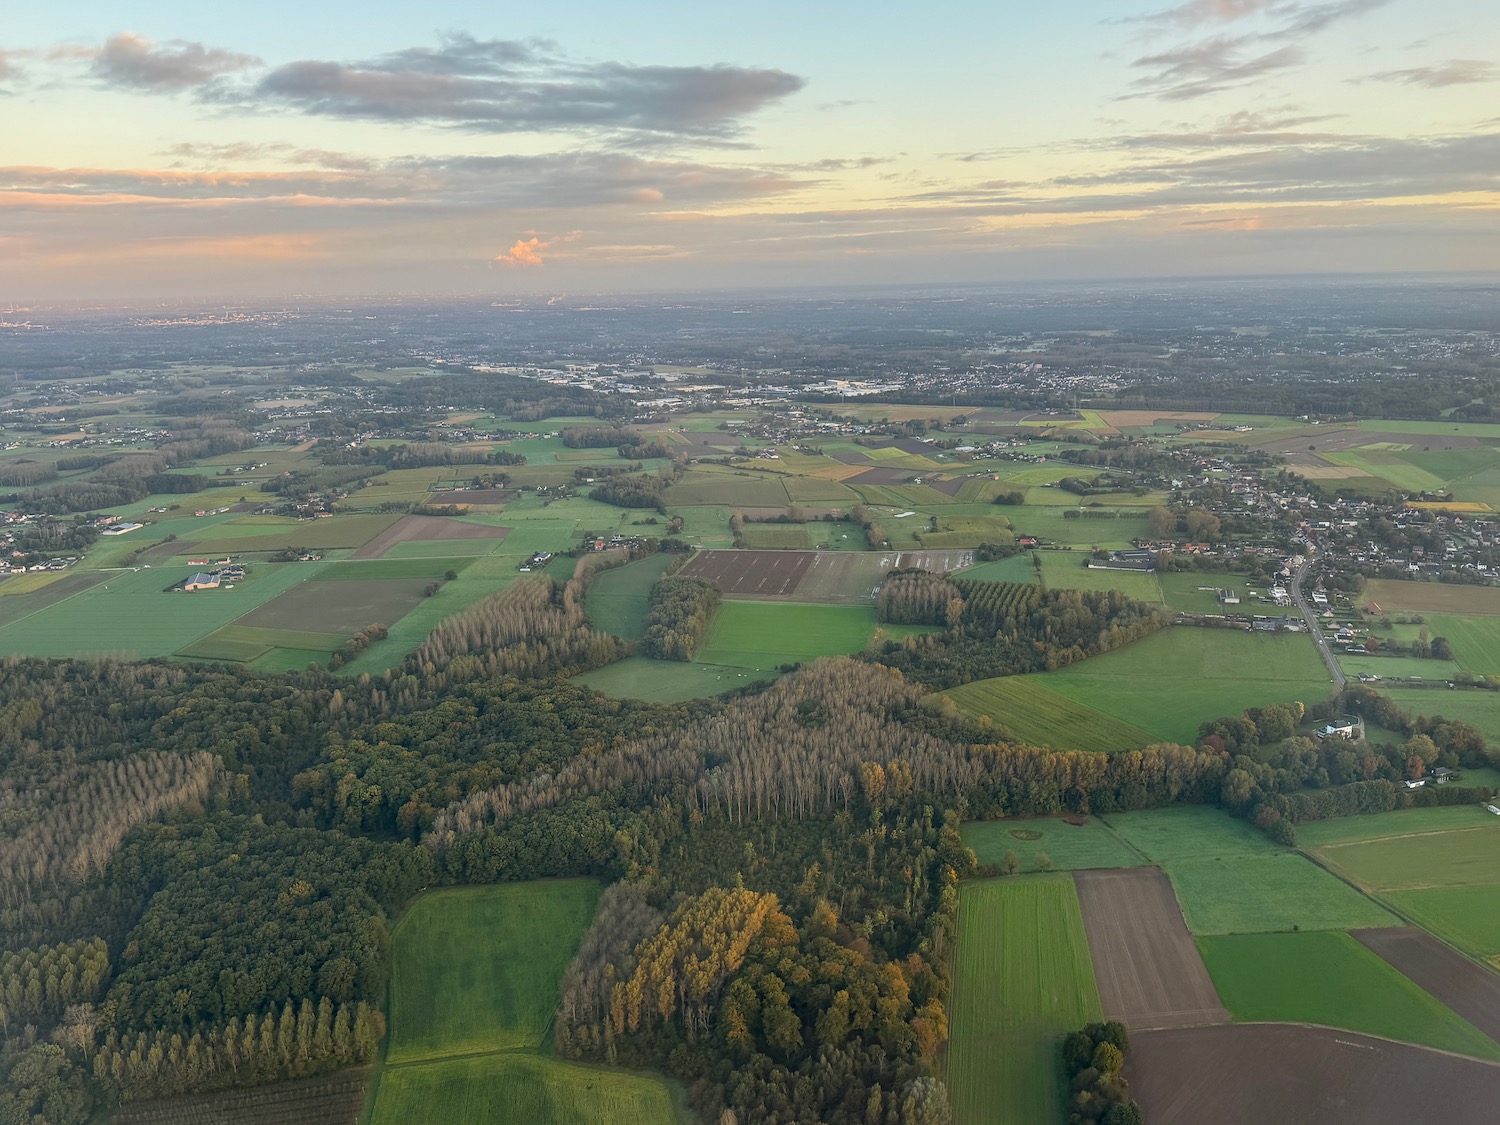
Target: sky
<point x="184" y="151"/>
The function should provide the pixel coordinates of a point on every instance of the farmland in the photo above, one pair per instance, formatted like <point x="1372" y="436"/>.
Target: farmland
<point x="1170" y="682"/>
<point x="1022" y="980"/>
<point x="471" y="972"/>
<point x="766" y="635"/>
<point x="1067" y="845"/>
<point x="1066" y="570"/>
<point x="1033" y="713"/>
<point x="1231" y="879"/>
<point x="1331" y="979"/>
<point x="619" y="598"/>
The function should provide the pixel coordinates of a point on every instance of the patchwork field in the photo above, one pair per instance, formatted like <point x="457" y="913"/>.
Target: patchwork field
<point x="1034" y="713"/>
<point x="1471" y="992"/>
<point x="1068" y="846"/>
<point x="1022" y="980"/>
<point x="1174" y="680"/>
<point x="1333" y="980"/>
<point x="338" y="607"/>
<point x="426" y="529"/>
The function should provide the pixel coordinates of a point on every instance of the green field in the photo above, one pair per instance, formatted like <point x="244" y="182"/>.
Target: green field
<point x="776" y="536"/>
<point x="1403" y="822"/>
<point x="519" y="1088"/>
<point x="1475" y="641"/>
<point x="619" y="598"/>
<point x="128" y="612"/>
<point x="1469" y="917"/>
<point x="1332" y="980"/>
<point x="1186" y="593"/>
<point x="667" y="681"/>
<point x="1480" y="709"/>
<point x="1070" y="847"/>
<point x="1033" y="713"/>
<point x="1066" y="570"/>
<point x="764" y="635"/>
<point x="1017" y="568"/>
<point x="477" y="969"/>
<point x="1232" y="880"/>
<point x="1172" y="681"/>
<point x="1429" y="858"/>
<point x="1023" y="978"/>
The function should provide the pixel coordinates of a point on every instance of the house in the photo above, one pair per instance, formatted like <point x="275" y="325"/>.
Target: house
<point x="1442" y="775"/>
<point x="201" y="580"/>
<point x="1416" y="784"/>
<point x="1339" y="728"/>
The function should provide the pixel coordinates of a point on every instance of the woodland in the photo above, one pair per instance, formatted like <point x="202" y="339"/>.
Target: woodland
<point x="200" y="865"/>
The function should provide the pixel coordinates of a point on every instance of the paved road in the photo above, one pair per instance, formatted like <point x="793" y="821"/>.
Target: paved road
<point x="1313" y="627"/>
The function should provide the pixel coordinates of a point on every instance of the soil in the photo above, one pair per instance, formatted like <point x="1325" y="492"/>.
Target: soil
<point x="1467" y="987"/>
<point x="1240" y="1074"/>
<point x="427" y="528"/>
<point x="752" y="573"/>
<point x="1149" y="971"/>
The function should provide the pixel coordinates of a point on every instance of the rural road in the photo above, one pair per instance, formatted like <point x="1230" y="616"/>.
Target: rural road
<point x="1313" y="627"/>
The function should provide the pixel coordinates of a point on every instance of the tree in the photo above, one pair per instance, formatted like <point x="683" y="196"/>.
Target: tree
<point x="1163" y="522"/>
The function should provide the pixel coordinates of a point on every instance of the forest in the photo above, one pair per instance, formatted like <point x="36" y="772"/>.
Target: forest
<point x="200" y="865"/>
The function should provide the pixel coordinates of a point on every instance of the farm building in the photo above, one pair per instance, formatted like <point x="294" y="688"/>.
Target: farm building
<point x="1125" y="560"/>
<point x="202" y="580"/>
<point x="1227" y="597"/>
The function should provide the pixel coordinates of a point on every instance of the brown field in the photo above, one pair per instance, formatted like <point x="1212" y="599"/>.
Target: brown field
<point x="946" y="487"/>
<point x="335" y="1099"/>
<point x="1239" y="1074"/>
<point x="338" y="606"/>
<point x="1149" y="971"/>
<point x="429" y="529"/>
<point x="882" y="476"/>
<point x="1396" y="596"/>
<point x="1119" y="418"/>
<point x="1468" y="988"/>
<point x="751" y="574"/>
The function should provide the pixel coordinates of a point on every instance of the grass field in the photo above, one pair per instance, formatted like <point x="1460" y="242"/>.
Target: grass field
<point x="777" y="536"/>
<point x="520" y="1088"/>
<point x="1475" y="640"/>
<point x="668" y="681"/>
<point x="1186" y="593"/>
<point x="1065" y="570"/>
<point x="1456" y="857"/>
<point x="1023" y="978"/>
<point x="1402" y="822"/>
<point x="1017" y="568"/>
<point x="766" y="634"/>
<point x="477" y="968"/>
<point x="1330" y="979"/>
<point x="1070" y="847"/>
<point x="1231" y="879"/>
<point x="1172" y="681"/>
<point x="1034" y="713"/>
<point x="619" y="598"/>
<point x="1468" y="917"/>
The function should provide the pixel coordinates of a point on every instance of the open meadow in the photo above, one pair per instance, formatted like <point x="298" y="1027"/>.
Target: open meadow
<point x="765" y="635"/>
<point x="1034" y="713"/>
<point x="1172" y="681"/>
<point x="1333" y="980"/>
<point x="1022" y="980"/>
<point x="1066" y="845"/>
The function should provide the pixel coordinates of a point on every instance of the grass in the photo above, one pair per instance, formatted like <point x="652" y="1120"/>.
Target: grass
<point x="477" y="968"/>
<point x="667" y="681"/>
<point x="1070" y="847"/>
<point x="1468" y="917"/>
<point x="1174" y="680"/>
<point x="129" y="613"/>
<point x="1396" y="596"/>
<point x="1183" y="593"/>
<point x="1480" y="709"/>
<point x="619" y="598"/>
<point x="776" y="536"/>
<point x="1475" y="640"/>
<point x="1231" y="879"/>
<point x="764" y="635"/>
<point x="1017" y="568"/>
<point x="1023" y="978"/>
<point x="1453" y="858"/>
<point x="520" y="1088"/>
<point x="1402" y="822"/>
<point x="1066" y="570"/>
<point x="393" y="568"/>
<point x="1330" y="979"/>
<point x="1035" y="714"/>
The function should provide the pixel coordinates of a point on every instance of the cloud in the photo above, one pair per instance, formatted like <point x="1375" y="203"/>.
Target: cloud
<point x="1454" y="72"/>
<point x="137" y="62"/>
<point x="1194" y="70"/>
<point x="503" y="86"/>
<point x="525" y="253"/>
<point x="1219" y="62"/>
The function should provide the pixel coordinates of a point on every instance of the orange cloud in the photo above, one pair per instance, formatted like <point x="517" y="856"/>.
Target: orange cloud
<point x="526" y="252"/>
